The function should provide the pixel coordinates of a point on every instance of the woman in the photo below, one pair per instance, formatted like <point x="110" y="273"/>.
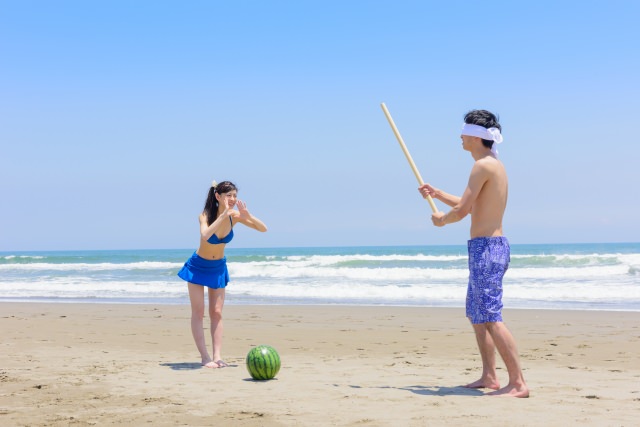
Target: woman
<point x="207" y="267"/>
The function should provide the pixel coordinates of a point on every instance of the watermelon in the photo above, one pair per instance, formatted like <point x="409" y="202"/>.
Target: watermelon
<point x="263" y="362"/>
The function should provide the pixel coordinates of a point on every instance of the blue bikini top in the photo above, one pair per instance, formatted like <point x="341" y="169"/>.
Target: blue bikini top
<point x="214" y="240"/>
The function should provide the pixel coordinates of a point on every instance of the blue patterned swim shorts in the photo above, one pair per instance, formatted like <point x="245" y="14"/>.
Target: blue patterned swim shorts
<point x="489" y="259"/>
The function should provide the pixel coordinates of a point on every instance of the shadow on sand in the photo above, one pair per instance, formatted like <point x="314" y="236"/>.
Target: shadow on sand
<point x="188" y="366"/>
<point x="435" y="390"/>
<point x="183" y="366"/>
<point x="440" y="391"/>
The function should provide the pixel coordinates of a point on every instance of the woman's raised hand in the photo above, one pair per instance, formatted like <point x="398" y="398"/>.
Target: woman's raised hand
<point x="225" y="204"/>
<point x="242" y="210"/>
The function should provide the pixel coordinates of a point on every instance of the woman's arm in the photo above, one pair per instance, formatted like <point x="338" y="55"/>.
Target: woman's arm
<point x="243" y="216"/>
<point x="206" y="230"/>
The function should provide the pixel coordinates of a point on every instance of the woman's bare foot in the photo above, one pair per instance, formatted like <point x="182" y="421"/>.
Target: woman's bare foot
<point x="222" y="364"/>
<point x="208" y="363"/>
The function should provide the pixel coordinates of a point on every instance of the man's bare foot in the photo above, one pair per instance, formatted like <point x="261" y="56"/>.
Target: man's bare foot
<point x="484" y="383"/>
<point x="511" y="391"/>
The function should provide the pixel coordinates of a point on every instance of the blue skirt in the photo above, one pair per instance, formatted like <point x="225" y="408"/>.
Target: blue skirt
<point x="205" y="272"/>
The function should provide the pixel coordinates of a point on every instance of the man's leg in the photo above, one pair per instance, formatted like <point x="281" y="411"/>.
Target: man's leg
<point x="489" y="378"/>
<point x="506" y="345"/>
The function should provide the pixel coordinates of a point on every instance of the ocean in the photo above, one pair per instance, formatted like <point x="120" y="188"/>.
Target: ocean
<point x="558" y="276"/>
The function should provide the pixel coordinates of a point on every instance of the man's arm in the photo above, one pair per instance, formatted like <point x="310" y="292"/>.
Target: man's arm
<point x="479" y="175"/>
<point x="436" y="193"/>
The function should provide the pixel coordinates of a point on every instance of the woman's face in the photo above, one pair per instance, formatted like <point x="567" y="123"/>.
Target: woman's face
<point x="231" y="197"/>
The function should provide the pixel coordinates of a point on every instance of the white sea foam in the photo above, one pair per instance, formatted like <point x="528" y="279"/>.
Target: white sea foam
<point x="570" y="279"/>
<point x="143" y="265"/>
<point x="371" y="274"/>
<point x="89" y="287"/>
<point x="336" y="259"/>
<point x="284" y="271"/>
<point x="444" y="293"/>
<point x="10" y="257"/>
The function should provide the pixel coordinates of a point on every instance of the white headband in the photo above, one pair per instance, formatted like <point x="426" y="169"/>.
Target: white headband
<point x="491" y="134"/>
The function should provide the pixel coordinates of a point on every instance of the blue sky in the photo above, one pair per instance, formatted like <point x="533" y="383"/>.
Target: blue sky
<point x="116" y="115"/>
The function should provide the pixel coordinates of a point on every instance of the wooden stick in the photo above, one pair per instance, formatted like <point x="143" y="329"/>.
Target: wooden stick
<point x="407" y="155"/>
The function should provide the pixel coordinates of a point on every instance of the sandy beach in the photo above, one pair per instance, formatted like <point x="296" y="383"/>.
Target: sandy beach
<point x="99" y="364"/>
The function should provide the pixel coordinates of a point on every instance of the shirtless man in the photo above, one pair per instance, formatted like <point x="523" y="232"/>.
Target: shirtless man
<point x="485" y="198"/>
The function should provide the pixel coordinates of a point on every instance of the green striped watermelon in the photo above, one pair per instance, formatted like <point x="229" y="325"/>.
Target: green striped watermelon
<point x="263" y="362"/>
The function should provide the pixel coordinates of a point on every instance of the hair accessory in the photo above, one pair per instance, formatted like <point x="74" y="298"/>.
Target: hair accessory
<point x="214" y="184"/>
<point x="491" y="134"/>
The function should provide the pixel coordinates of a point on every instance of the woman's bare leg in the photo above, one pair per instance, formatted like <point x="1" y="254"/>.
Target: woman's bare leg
<point x="196" y="296"/>
<point x="216" y="302"/>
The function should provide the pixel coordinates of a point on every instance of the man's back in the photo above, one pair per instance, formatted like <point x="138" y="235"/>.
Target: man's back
<point x="487" y="211"/>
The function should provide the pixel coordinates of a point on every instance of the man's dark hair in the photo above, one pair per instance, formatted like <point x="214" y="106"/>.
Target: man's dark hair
<point x="483" y="118"/>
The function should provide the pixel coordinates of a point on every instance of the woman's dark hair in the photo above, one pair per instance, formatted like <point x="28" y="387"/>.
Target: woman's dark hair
<point x="211" y="205"/>
<point x="483" y="118"/>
